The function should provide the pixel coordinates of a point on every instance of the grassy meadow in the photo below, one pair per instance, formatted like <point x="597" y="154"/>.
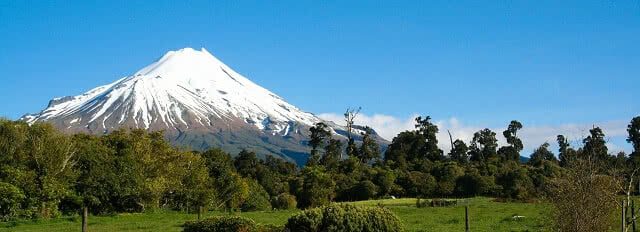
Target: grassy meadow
<point x="485" y="215"/>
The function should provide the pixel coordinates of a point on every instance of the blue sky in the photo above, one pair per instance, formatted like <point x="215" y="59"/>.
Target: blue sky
<point x="470" y="64"/>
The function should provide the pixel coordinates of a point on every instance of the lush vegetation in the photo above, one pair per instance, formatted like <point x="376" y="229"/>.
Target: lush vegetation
<point x="345" y="217"/>
<point x="486" y="215"/>
<point x="47" y="174"/>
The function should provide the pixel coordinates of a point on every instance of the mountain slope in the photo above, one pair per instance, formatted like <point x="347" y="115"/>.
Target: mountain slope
<point x="197" y="100"/>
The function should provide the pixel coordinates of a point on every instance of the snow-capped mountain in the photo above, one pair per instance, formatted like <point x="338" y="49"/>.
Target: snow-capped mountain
<point x="196" y="99"/>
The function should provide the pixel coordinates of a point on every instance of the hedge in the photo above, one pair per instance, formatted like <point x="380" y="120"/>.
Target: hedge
<point x="221" y="224"/>
<point x="344" y="217"/>
<point x="228" y="224"/>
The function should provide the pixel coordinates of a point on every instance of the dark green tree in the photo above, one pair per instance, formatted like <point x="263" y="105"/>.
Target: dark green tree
<point x="595" y="146"/>
<point x="459" y="152"/>
<point x="247" y="164"/>
<point x="566" y="154"/>
<point x="319" y="135"/>
<point x="634" y="138"/>
<point x="369" y="149"/>
<point x="540" y="155"/>
<point x="218" y="162"/>
<point x="428" y="132"/>
<point x="332" y="154"/>
<point x="512" y="152"/>
<point x="483" y="145"/>
<point x="314" y="188"/>
<point x="403" y="149"/>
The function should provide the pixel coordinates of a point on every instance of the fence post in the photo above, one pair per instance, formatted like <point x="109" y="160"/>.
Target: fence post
<point x="466" y="219"/>
<point x="633" y="215"/>
<point x="624" y="217"/>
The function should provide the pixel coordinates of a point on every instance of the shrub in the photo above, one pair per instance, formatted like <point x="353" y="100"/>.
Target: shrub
<point x="316" y="187"/>
<point x="364" y="190"/>
<point x="284" y="201"/>
<point x="10" y="198"/>
<point x="345" y="218"/>
<point x="257" y="200"/>
<point x="270" y="228"/>
<point x="221" y="224"/>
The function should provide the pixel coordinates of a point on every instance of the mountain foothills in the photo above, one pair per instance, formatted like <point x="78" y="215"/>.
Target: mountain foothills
<point x="199" y="103"/>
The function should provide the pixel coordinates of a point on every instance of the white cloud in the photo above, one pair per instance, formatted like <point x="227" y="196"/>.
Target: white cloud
<point x="532" y="136"/>
<point x="385" y="125"/>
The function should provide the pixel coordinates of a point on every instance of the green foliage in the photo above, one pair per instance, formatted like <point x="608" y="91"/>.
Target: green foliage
<point x="471" y="184"/>
<point x="364" y="190"/>
<point x="512" y="152"/>
<point x="246" y="163"/>
<point x="284" y="201"/>
<point x="346" y="218"/>
<point x="332" y="154"/>
<point x="315" y="187"/>
<point x="483" y="146"/>
<point x="515" y="182"/>
<point x="541" y="154"/>
<point x="459" y="152"/>
<point x="257" y="199"/>
<point x="369" y="149"/>
<point x="319" y="135"/>
<point x="633" y="130"/>
<point x="221" y="224"/>
<point x="10" y="198"/>
<point x="595" y="145"/>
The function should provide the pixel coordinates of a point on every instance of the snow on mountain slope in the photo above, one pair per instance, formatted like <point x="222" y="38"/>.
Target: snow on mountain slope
<point x="182" y="82"/>
<point x="198" y="101"/>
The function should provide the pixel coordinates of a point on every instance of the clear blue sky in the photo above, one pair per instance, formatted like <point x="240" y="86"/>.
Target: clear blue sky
<point x="483" y="62"/>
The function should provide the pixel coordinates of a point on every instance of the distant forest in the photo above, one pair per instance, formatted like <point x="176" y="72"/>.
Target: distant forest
<point x="45" y="173"/>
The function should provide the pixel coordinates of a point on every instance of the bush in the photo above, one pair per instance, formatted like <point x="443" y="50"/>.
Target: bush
<point x="270" y="228"/>
<point x="221" y="224"/>
<point x="257" y="200"/>
<point x="10" y="198"/>
<point x="364" y="190"/>
<point x="345" y="218"/>
<point x="284" y="201"/>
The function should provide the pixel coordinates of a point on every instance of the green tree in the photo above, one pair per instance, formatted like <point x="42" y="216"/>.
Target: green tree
<point x="595" y="146"/>
<point x="428" y="132"/>
<point x="218" y="162"/>
<point x="566" y="154"/>
<point x="332" y="154"/>
<point x="483" y="145"/>
<point x="369" y="149"/>
<point x="315" y="188"/>
<point x="50" y="155"/>
<point x="634" y="138"/>
<point x="541" y="154"/>
<point x="319" y="134"/>
<point x="196" y="188"/>
<point x="257" y="200"/>
<point x="446" y="175"/>
<point x="247" y="164"/>
<point x="402" y="150"/>
<point x="10" y="199"/>
<point x="459" y="152"/>
<point x="511" y="152"/>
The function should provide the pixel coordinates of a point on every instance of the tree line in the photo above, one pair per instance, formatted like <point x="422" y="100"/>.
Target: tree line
<point x="45" y="173"/>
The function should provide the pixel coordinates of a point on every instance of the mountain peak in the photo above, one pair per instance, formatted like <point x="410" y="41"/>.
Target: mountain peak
<point x="185" y="59"/>
<point x="184" y="89"/>
<point x="197" y="100"/>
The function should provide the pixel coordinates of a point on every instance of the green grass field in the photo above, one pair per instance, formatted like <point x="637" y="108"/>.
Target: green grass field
<point x="485" y="215"/>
